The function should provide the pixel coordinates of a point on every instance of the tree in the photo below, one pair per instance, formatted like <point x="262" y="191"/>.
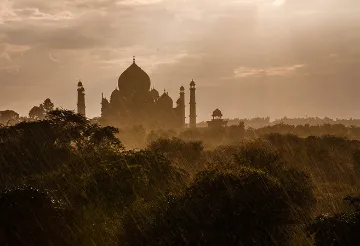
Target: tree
<point x="63" y="138"/>
<point x="338" y="229"/>
<point x="31" y="217"/>
<point x="48" y="105"/>
<point x="186" y="154"/>
<point x="9" y="117"/>
<point x="62" y="153"/>
<point x="248" y="207"/>
<point x="237" y="132"/>
<point x="37" y="113"/>
<point x="135" y="175"/>
<point x="260" y="155"/>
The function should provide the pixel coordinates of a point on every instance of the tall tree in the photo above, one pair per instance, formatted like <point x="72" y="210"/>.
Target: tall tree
<point x="37" y="112"/>
<point x="9" y="116"/>
<point x="48" y="105"/>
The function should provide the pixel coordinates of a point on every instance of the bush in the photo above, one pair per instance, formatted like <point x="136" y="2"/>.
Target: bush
<point x="30" y="217"/>
<point x="186" y="154"/>
<point x="247" y="207"/>
<point x="63" y="139"/>
<point x="134" y="175"/>
<point x="259" y="155"/>
<point x="338" y="229"/>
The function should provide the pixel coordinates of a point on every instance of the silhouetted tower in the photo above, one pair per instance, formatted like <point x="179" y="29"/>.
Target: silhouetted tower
<point x="192" y="105"/>
<point x="182" y="106"/>
<point x="81" y="99"/>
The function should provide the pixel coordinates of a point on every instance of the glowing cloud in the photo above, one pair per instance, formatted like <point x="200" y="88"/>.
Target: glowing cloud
<point x="279" y="2"/>
<point x="243" y="72"/>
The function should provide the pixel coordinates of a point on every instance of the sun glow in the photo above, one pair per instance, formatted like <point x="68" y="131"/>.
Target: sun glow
<point x="279" y="2"/>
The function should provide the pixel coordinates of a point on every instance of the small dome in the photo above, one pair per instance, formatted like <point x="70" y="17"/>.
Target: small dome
<point x="182" y="88"/>
<point x="115" y="93"/>
<point x="114" y="96"/>
<point x="134" y="79"/>
<point x="80" y="84"/>
<point x="192" y="83"/>
<point x="217" y="113"/>
<point x="166" y="100"/>
<point x="154" y="94"/>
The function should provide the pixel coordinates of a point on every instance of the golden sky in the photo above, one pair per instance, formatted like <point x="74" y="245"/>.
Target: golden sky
<point x="249" y="57"/>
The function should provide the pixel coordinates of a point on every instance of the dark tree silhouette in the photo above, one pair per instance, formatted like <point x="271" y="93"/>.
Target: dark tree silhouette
<point x="48" y="105"/>
<point x="340" y="229"/>
<point x="9" y="117"/>
<point x="135" y="175"/>
<point x="30" y="217"/>
<point x="37" y="113"/>
<point x="62" y="138"/>
<point x="186" y="154"/>
<point x="247" y="207"/>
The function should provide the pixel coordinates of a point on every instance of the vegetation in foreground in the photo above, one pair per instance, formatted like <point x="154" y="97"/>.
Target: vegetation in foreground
<point x="67" y="181"/>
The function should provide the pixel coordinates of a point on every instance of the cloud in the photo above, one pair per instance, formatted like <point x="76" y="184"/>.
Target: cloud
<point x="138" y="2"/>
<point x="148" y="59"/>
<point x="8" y="55"/>
<point x="6" y="12"/>
<point x="52" y="58"/>
<point x="50" y="44"/>
<point x="279" y="2"/>
<point x="243" y="72"/>
<point x="36" y="14"/>
<point x="9" y="13"/>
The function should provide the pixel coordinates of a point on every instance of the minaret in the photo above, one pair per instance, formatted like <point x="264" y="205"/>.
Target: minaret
<point x="182" y="106"/>
<point x="81" y="99"/>
<point x="192" y="105"/>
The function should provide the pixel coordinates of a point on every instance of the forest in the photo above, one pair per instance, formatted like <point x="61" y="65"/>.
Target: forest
<point x="66" y="180"/>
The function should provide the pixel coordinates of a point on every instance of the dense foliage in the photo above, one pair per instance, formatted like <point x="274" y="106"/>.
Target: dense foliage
<point x="338" y="229"/>
<point x="243" y="207"/>
<point x="66" y="180"/>
<point x="187" y="155"/>
<point x="30" y="217"/>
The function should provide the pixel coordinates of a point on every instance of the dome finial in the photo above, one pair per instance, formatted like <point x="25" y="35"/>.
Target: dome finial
<point x="134" y="59"/>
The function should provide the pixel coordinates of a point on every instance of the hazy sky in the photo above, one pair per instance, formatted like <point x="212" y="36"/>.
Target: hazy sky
<point x="249" y="57"/>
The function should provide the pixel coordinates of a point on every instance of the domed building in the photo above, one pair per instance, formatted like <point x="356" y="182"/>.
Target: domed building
<point x="217" y="121"/>
<point x="134" y="102"/>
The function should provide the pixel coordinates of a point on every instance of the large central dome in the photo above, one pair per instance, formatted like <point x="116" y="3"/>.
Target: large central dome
<point x="134" y="80"/>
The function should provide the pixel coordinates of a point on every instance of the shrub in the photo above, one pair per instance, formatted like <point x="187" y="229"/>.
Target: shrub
<point x="31" y="217"/>
<point x="259" y="155"/>
<point x="338" y="229"/>
<point x="186" y="154"/>
<point x="247" y="207"/>
<point x="134" y="175"/>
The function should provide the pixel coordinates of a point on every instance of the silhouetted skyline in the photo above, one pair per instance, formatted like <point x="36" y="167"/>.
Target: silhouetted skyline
<point x="135" y="101"/>
<point x="250" y="58"/>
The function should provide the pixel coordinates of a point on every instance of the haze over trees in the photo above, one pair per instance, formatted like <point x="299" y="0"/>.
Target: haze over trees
<point x="9" y="117"/>
<point x="39" y="112"/>
<point x="65" y="180"/>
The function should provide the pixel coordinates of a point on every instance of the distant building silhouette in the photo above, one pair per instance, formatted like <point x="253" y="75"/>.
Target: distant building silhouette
<point x="192" y="105"/>
<point x="217" y="120"/>
<point x="81" y="99"/>
<point x="181" y="105"/>
<point x="134" y="102"/>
